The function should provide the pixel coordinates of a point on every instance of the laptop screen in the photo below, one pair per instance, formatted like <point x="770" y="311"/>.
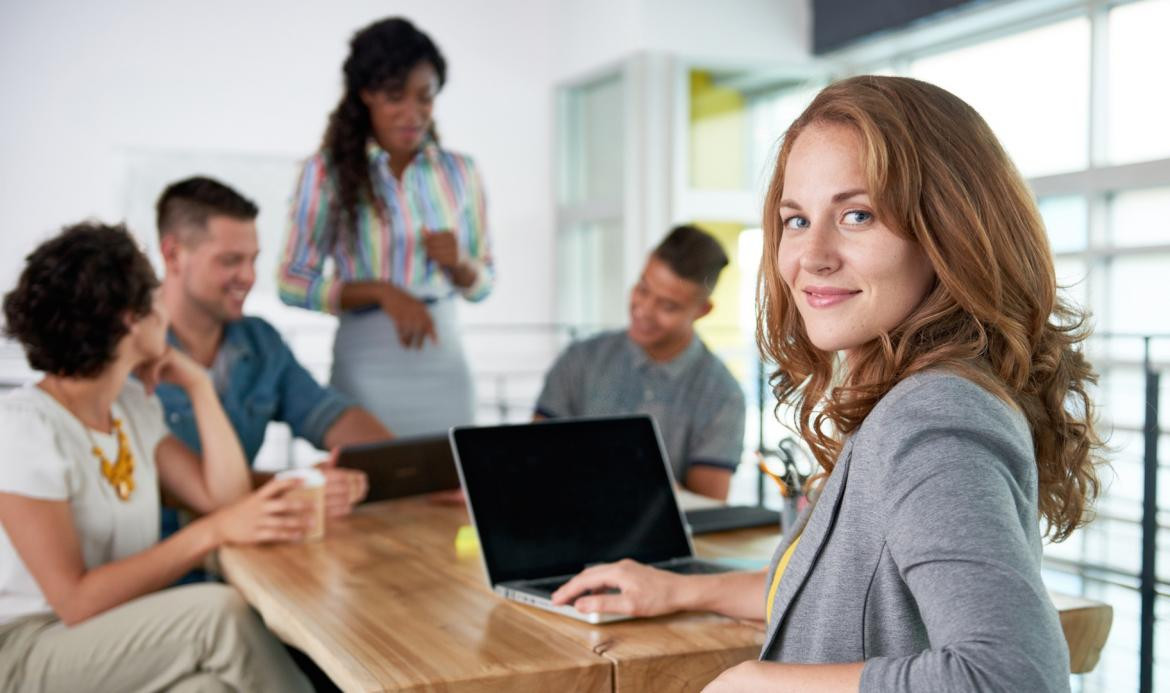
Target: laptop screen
<point x="551" y="498"/>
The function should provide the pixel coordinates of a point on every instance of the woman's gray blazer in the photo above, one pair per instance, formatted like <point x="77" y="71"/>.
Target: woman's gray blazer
<point x="921" y="555"/>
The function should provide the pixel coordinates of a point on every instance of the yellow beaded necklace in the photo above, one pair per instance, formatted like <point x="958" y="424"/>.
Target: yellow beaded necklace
<point x="120" y="473"/>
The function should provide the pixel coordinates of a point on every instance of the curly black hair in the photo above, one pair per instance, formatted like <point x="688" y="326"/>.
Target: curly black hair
<point x="69" y="306"/>
<point x="380" y="57"/>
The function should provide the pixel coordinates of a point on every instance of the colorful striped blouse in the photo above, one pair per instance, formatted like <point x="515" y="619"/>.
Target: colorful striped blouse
<point x="439" y="190"/>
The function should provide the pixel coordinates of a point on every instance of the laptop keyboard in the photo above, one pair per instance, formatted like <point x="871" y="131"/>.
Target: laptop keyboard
<point x="551" y="585"/>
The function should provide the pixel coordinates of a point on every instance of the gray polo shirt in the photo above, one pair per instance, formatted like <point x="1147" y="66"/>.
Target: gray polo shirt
<point x="696" y="401"/>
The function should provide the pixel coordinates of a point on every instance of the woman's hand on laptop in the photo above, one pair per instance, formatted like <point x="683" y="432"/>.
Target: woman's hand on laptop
<point x="642" y="590"/>
<point x="344" y="488"/>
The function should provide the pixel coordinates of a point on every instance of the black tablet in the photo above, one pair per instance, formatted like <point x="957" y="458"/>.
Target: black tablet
<point x="403" y="466"/>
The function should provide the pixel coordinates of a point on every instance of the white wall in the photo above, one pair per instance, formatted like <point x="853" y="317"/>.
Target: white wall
<point x="95" y="93"/>
<point x="91" y="90"/>
<point x="104" y="103"/>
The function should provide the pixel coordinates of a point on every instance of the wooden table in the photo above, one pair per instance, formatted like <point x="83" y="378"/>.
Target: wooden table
<point x="385" y="603"/>
<point x="1086" y="625"/>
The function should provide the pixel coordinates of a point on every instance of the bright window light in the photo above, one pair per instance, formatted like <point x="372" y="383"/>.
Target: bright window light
<point x="1140" y="218"/>
<point x="1031" y="87"/>
<point x="1139" y="67"/>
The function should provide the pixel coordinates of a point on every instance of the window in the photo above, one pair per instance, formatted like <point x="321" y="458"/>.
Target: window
<point x="592" y="116"/>
<point x="590" y="213"/>
<point x="1031" y="87"/>
<point x="1138" y="65"/>
<point x="1140" y="218"/>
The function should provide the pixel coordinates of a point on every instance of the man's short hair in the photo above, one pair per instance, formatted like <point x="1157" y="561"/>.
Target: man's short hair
<point x="693" y="254"/>
<point x="189" y="203"/>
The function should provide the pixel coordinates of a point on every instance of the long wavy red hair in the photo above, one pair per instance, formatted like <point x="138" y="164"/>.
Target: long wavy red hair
<point x="938" y="175"/>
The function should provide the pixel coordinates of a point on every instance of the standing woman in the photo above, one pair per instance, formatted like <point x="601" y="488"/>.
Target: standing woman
<point x="910" y="304"/>
<point x="404" y="223"/>
<point x="83" y="604"/>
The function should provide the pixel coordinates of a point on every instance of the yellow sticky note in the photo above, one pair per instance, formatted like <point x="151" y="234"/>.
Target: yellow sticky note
<point x="466" y="542"/>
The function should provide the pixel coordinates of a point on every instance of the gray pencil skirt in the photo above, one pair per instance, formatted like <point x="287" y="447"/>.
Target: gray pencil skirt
<point x="412" y="391"/>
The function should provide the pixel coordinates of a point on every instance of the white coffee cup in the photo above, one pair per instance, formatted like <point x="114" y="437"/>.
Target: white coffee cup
<point x="312" y="489"/>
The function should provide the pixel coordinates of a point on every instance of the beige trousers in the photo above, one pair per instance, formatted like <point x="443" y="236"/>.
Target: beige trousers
<point x="194" y="638"/>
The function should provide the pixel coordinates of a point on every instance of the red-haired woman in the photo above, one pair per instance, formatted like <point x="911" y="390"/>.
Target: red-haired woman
<point x="910" y="303"/>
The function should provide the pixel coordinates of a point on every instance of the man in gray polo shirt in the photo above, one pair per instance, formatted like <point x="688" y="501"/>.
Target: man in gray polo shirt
<point x="658" y="366"/>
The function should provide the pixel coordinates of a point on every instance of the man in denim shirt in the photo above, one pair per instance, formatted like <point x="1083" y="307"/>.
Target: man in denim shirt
<point x="207" y="234"/>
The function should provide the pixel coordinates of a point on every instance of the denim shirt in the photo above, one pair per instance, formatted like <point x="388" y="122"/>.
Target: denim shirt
<point x="258" y="380"/>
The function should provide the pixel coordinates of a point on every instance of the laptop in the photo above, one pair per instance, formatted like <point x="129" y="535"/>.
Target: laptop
<point x="403" y="466"/>
<point x="548" y="499"/>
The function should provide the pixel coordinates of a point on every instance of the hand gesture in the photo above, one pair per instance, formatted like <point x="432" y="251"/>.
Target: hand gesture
<point x="411" y="318"/>
<point x="344" y="488"/>
<point x="173" y="366"/>
<point x="642" y="590"/>
<point x="442" y="247"/>
<point x="265" y="515"/>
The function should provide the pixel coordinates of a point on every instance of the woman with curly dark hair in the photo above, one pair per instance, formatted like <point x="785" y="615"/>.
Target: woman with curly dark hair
<point x="909" y="300"/>
<point x="82" y="570"/>
<point x="404" y="223"/>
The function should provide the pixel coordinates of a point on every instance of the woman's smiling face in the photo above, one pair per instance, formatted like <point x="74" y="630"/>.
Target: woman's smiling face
<point x="852" y="278"/>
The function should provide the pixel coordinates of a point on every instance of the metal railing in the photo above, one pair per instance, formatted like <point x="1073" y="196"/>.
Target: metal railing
<point x="1148" y="580"/>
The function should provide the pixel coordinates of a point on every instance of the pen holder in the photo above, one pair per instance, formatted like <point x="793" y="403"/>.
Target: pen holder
<point x="780" y="466"/>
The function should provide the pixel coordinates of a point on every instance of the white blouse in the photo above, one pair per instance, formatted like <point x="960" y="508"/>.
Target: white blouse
<point x="46" y="454"/>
